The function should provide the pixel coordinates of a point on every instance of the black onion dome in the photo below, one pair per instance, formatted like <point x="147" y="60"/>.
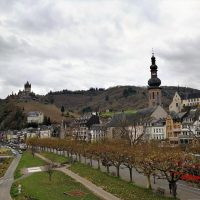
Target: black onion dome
<point x="154" y="82"/>
<point x="153" y="63"/>
<point x="154" y="67"/>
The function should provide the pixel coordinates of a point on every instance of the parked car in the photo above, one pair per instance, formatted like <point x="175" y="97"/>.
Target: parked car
<point x="20" y="151"/>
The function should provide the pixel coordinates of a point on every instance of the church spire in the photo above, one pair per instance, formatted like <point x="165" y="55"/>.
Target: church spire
<point x="153" y="59"/>
<point x="154" y="84"/>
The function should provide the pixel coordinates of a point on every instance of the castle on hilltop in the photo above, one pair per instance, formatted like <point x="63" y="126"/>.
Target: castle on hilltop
<point x="25" y="94"/>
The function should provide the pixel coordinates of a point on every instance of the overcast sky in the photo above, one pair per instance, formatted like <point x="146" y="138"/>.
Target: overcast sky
<point x="78" y="44"/>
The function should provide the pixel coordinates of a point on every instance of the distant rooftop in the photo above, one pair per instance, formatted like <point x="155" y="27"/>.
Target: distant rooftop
<point x="34" y="114"/>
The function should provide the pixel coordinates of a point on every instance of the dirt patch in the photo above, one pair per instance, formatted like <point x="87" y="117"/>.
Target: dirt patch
<point x="75" y="193"/>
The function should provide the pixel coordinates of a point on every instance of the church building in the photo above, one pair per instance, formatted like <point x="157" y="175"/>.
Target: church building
<point x="154" y="89"/>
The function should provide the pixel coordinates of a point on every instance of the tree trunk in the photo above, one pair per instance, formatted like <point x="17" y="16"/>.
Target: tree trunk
<point x="85" y="160"/>
<point x="98" y="164"/>
<point x="91" y="161"/>
<point x="131" y="174"/>
<point x="79" y="157"/>
<point x="174" y="187"/>
<point x="50" y="176"/>
<point x="108" y="170"/>
<point x="117" y="171"/>
<point x="149" y="182"/>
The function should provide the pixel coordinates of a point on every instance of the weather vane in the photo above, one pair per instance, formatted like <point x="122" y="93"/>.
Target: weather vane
<point x="152" y="52"/>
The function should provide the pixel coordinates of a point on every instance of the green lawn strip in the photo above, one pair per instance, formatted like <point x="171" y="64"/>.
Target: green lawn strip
<point x="110" y="114"/>
<point x="26" y="161"/>
<point x="114" y="185"/>
<point x="54" y="157"/>
<point x="4" y="166"/>
<point x="38" y="186"/>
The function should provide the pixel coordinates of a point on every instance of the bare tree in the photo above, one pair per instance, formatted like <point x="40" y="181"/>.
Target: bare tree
<point x="132" y="127"/>
<point x="49" y="170"/>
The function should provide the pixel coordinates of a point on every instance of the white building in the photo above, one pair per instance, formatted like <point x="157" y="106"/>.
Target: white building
<point x="181" y="101"/>
<point x="44" y="133"/>
<point x="35" y="117"/>
<point x="97" y="132"/>
<point x="157" y="130"/>
<point x="176" y="104"/>
<point x="190" y="128"/>
<point x="41" y="132"/>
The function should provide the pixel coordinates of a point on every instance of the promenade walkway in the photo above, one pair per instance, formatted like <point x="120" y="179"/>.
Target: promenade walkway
<point x="98" y="191"/>
<point x="7" y="180"/>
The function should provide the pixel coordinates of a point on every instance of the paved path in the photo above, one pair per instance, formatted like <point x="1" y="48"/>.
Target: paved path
<point x="7" y="180"/>
<point x="98" y="191"/>
<point x="184" y="191"/>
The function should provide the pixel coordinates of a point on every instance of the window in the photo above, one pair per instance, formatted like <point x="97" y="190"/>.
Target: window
<point x="176" y="104"/>
<point x="153" y="95"/>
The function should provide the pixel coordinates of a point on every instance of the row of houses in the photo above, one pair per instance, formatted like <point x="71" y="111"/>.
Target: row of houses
<point x="178" y="126"/>
<point x="151" y="123"/>
<point x="20" y="136"/>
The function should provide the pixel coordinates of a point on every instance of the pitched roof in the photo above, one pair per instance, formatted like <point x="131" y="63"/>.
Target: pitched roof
<point x="125" y="119"/>
<point x="177" y="116"/>
<point x="34" y="114"/>
<point x="189" y="96"/>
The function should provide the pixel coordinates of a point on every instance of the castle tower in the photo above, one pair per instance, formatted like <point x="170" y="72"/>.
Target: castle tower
<point x="27" y="87"/>
<point x="154" y="89"/>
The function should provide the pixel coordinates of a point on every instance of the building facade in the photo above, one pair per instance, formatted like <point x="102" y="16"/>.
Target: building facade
<point x="35" y="117"/>
<point x="181" y="101"/>
<point x="88" y="128"/>
<point x="190" y="127"/>
<point x="176" y="104"/>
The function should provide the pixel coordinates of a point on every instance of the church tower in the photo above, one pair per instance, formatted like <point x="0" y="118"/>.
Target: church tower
<point x="154" y="89"/>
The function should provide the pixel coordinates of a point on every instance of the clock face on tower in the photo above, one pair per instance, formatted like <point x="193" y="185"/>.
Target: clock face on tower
<point x="154" y="73"/>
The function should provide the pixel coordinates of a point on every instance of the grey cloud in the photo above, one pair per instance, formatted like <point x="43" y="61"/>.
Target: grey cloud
<point x="78" y="44"/>
<point x="184" y="55"/>
<point x="11" y="46"/>
<point x="182" y="61"/>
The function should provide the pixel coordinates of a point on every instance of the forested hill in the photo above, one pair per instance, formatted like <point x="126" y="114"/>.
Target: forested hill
<point x="116" y="98"/>
<point x="13" y="112"/>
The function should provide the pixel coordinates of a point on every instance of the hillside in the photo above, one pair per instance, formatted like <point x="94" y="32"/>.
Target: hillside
<point x="49" y="110"/>
<point x="115" y="98"/>
<point x="11" y="116"/>
<point x="13" y="112"/>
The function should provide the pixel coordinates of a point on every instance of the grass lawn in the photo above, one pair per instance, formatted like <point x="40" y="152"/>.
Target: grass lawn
<point x="27" y="160"/>
<point x="110" y="114"/>
<point x="38" y="186"/>
<point x="114" y="185"/>
<point x="4" y="166"/>
<point x="54" y="157"/>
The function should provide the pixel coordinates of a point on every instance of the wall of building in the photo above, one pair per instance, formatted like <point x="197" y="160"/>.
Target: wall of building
<point x="155" y="97"/>
<point x="176" y="105"/>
